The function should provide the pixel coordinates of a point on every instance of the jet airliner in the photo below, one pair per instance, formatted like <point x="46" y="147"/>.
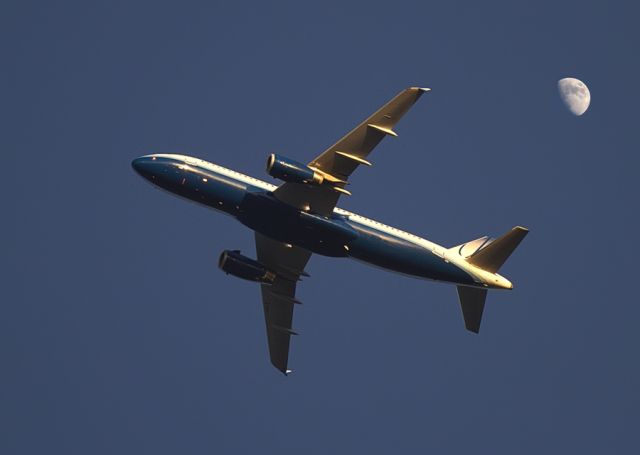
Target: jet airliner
<point x="300" y="217"/>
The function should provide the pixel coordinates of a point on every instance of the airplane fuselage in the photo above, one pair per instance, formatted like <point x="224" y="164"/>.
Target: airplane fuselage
<point x="343" y="234"/>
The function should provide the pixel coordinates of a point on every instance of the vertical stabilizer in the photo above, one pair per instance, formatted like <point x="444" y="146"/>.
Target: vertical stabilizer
<point x="472" y="304"/>
<point x="492" y="256"/>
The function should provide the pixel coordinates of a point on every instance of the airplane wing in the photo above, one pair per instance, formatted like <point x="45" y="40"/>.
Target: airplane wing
<point x="278" y="299"/>
<point x="339" y="161"/>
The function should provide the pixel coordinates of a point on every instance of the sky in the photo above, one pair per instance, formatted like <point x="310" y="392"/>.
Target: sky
<point x="118" y="333"/>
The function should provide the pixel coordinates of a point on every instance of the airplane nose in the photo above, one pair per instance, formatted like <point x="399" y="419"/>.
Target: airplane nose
<point x="138" y="165"/>
<point x="145" y="166"/>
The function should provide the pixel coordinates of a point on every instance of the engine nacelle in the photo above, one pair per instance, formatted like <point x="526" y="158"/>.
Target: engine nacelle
<point x="234" y="263"/>
<point x="289" y="170"/>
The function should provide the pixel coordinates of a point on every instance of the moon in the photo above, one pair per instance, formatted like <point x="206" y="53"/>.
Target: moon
<point x="575" y="95"/>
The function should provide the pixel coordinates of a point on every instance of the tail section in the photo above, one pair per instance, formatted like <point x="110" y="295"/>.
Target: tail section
<point x="489" y="255"/>
<point x="493" y="255"/>
<point x="469" y="248"/>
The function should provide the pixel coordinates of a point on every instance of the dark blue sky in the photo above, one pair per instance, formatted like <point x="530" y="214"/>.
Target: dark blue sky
<point x="118" y="334"/>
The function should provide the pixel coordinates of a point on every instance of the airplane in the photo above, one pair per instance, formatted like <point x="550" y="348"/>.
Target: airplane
<point x="300" y="217"/>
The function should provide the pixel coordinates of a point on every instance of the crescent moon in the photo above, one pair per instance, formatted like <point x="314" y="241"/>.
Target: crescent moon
<point x="575" y="95"/>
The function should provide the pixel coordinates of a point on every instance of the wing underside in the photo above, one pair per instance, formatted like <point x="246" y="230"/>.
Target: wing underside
<point x="339" y="161"/>
<point x="279" y="298"/>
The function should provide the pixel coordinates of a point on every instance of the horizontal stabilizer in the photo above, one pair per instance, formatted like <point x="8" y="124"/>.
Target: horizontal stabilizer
<point x="472" y="304"/>
<point x="492" y="256"/>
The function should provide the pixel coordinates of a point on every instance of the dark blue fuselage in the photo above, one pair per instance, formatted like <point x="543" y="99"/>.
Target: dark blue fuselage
<point x="254" y="205"/>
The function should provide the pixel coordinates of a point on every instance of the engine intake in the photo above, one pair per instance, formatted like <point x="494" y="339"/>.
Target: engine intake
<point x="292" y="171"/>
<point x="234" y="263"/>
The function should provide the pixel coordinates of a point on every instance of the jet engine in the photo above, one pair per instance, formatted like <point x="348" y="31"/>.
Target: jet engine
<point x="292" y="171"/>
<point x="234" y="263"/>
